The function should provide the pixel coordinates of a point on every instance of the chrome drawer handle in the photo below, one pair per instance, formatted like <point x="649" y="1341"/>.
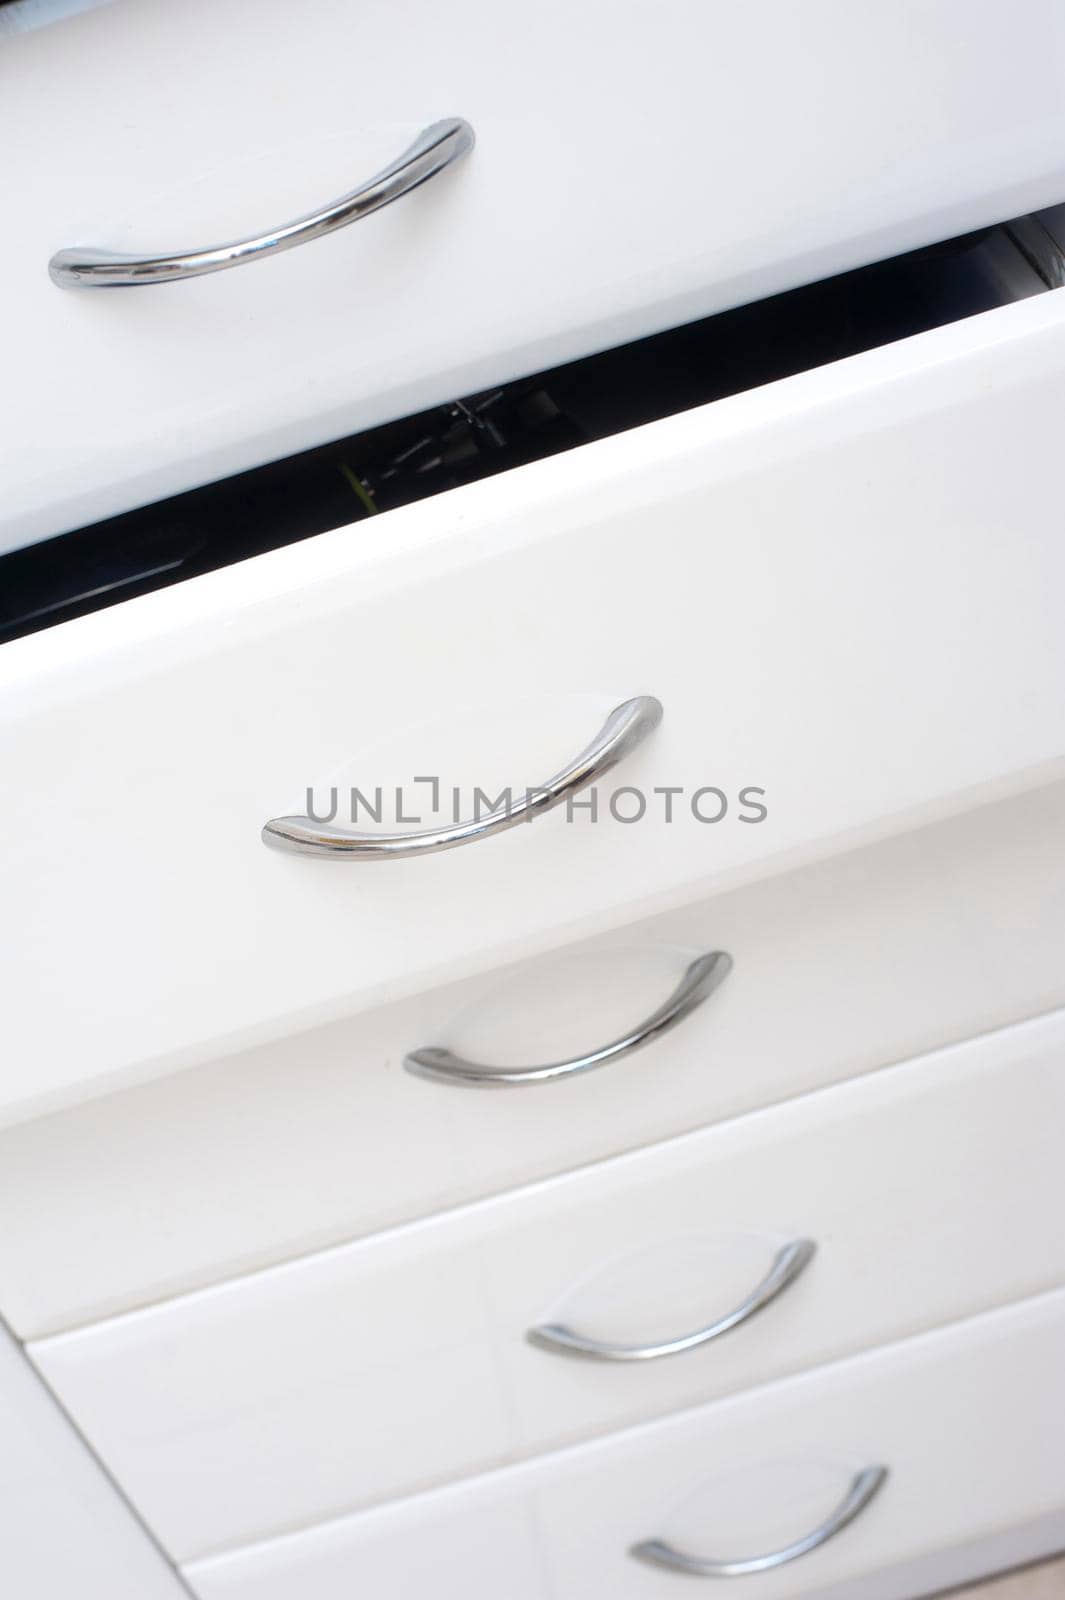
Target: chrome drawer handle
<point x="700" y="980"/>
<point x="787" y="1265"/>
<point x="435" y="148"/>
<point x="858" y="1496"/>
<point x="626" y="727"/>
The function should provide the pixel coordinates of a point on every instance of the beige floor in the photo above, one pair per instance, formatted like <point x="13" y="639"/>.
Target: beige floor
<point x="1045" y="1582"/>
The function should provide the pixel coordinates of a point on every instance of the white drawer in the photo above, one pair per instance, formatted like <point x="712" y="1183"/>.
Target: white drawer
<point x="967" y="1421"/>
<point x="609" y="195"/>
<point x="347" y="1378"/>
<point x="840" y="967"/>
<point x="831" y="583"/>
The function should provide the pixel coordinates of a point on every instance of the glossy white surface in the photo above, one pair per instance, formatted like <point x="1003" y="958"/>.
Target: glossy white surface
<point x="65" y="1533"/>
<point x="967" y="1419"/>
<point x="831" y="583"/>
<point x="628" y="177"/>
<point x="357" y="1375"/>
<point x="872" y="957"/>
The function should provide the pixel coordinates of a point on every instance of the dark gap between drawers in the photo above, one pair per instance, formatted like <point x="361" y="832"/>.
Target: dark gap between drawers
<point x="477" y="436"/>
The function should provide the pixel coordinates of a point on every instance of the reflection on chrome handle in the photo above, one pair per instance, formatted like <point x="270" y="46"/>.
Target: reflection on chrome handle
<point x="435" y="148"/>
<point x="626" y="727"/>
<point x="700" y="979"/>
<point x="858" y="1496"/>
<point x="786" y="1267"/>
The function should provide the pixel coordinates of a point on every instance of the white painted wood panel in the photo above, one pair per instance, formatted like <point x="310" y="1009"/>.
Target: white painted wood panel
<point x="65" y="1532"/>
<point x="1043" y="1581"/>
<point x="933" y="1191"/>
<point x="832" y="584"/>
<point x="634" y="169"/>
<point x="967" y="1419"/>
<point x="841" y="967"/>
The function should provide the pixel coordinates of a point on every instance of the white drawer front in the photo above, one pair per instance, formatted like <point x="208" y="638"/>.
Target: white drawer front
<point x="967" y="1420"/>
<point x="599" y="203"/>
<point x="842" y="967"/>
<point x="838" y="968"/>
<point x="831" y="584"/>
<point x="362" y="1373"/>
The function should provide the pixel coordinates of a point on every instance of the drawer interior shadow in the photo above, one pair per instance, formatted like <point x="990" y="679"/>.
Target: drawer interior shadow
<point x="342" y="483"/>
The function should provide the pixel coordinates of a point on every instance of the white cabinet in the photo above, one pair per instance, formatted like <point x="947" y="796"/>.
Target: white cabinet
<point x="835" y="590"/>
<point x="365" y="1373"/>
<point x="65" y="1532"/>
<point x="967" y="1421"/>
<point x="295" y="1294"/>
<point x="840" y="967"/>
<point x="634" y="169"/>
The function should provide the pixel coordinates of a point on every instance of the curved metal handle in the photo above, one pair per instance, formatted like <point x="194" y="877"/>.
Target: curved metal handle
<point x="787" y="1265"/>
<point x="626" y="727"/>
<point x="435" y="148"/>
<point x="858" y="1496"/>
<point x="700" y="980"/>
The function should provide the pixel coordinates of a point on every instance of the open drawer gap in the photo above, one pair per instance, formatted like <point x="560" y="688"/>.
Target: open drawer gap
<point x="477" y="436"/>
